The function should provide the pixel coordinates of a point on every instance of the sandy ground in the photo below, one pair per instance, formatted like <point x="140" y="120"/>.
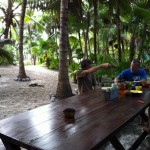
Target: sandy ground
<point x="17" y="97"/>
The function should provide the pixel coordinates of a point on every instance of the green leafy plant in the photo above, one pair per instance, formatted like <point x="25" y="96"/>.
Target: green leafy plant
<point x="110" y="74"/>
<point x="54" y="64"/>
<point x="72" y="70"/>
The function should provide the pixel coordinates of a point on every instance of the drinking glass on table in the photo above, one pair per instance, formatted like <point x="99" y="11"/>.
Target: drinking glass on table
<point x="139" y="88"/>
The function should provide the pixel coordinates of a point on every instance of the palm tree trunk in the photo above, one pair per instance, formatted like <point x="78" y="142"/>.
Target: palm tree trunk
<point x="80" y="43"/>
<point x="132" y="47"/>
<point x="22" y="74"/>
<point x="30" y="33"/>
<point x="142" y="40"/>
<point x="119" y="32"/>
<point x="69" y="51"/>
<point x="63" y="87"/>
<point x="95" y="29"/>
<point x="87" y="35"/>
<point x="8" y="18"/>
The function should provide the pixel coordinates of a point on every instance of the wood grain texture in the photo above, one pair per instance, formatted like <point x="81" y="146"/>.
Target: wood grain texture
<point x="96" y="121"/>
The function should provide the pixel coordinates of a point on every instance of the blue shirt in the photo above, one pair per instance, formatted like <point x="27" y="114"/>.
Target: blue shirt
<point x="127" y="75"/>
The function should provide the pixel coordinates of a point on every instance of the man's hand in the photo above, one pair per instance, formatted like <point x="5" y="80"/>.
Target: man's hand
<point x="106" y="65"/>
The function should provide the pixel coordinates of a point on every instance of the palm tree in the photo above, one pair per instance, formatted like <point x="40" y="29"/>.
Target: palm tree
<point x="22" y="74"/>
<point x="9" y="18"/>
<point x="63" y="87"/>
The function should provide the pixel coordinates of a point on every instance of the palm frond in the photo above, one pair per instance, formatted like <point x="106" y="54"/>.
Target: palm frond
<point x="142" y="13"/>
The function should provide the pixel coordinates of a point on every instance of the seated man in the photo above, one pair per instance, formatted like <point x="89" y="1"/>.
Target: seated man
<point x="85" y="78"/>
<point x="133" y="73"/>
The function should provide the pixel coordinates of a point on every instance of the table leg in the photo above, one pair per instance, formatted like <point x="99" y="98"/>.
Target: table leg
<point x="116" y="144"/>
<point x="10" y="146"/>
<point x="147" y="129"/>
<point x="138" y="141"/>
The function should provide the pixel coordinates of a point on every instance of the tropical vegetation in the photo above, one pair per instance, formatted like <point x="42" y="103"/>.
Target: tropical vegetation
<point x="60" y="33"/>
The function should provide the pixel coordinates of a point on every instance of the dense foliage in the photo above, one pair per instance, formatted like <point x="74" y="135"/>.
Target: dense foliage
<point x="112" y="31"/>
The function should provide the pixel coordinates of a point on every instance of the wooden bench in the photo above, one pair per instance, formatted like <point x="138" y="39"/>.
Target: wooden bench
<point x="96" y="121"/>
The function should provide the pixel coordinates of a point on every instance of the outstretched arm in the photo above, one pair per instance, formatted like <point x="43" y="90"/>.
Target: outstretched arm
<point x="94" y="69"/>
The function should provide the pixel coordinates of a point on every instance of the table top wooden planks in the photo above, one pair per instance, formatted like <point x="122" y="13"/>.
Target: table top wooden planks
<point x="96" y="121"/>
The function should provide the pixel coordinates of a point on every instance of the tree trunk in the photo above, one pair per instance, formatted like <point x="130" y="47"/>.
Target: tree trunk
<point x="119" y="32"/>
<point x="22" y="74"/>
<point x="30" y="33"/>
<point x="95" y="29"/>
<point x="87" y="34"/>
<point x="8" y="18"/>
<point x="80" y="40"/>
<point x="142" y="40"/>
<point x="69" y="51"/>
<point x="132" y="47"/>
<point x="63" y="87"/>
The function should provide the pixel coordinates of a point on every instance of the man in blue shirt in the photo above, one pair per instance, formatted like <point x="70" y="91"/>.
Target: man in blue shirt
<point x="134" y="73"/>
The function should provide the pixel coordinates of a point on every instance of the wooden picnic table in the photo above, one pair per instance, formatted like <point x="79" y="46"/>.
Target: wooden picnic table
<point x="96" y="121"/>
